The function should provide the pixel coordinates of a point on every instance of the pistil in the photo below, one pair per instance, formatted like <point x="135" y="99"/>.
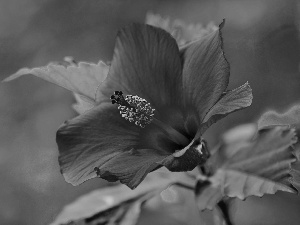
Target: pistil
<point x="133" y="108"/>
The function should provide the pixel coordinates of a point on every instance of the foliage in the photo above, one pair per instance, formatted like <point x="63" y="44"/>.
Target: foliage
<point x="188" y="73"/>
<point x="245" y="167"/>
<point x="117" y="204"/>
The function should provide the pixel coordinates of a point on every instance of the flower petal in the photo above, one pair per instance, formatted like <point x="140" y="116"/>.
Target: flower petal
<point x="205" y="72"/>
<point x="231" y="101"/>
<point x="90" y="140"/>
<point x="146" y="63"/>
<point x="132" y="166"/>
<point x="102" y="143"/>
<point x="102" y="139"/>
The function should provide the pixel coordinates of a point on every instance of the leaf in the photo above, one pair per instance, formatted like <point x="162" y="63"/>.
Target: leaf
<point x="82" y="79"/>
<point x="182" y="32"/>
<point x="116" y="204"/>
<point x="271" y="118"/>
<point x="254" y="167"/>
<point x="126" y="213"/>
<point x="232" y="183"/>
<point x="241" y="133"/>
<point x="290" y="118"/>
<point x="81" y="104"/>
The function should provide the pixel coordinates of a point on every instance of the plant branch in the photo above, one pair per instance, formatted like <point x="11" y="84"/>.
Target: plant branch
<point x="223" y="206"/>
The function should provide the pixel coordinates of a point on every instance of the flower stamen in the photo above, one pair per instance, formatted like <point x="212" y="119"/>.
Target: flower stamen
<point x="138" y="110"/>
<point x="133" y="108"/>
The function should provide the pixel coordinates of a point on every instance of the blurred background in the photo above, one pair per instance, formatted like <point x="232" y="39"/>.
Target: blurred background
<point x="261" y="44"/>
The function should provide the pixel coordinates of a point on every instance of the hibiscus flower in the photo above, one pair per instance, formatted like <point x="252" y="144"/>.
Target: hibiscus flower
<point x="152" y="108"/>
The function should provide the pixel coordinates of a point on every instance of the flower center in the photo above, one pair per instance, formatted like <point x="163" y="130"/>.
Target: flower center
<point x="138" y="110"/>
<point x="133" y="108"/>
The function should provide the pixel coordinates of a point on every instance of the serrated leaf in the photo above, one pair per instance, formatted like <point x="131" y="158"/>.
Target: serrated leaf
<point x="116" y="204"/>
<point x="82" y="79"/>
<point x="290" y="118"/>
<point x="253" y="168"/>
<point x="233" y="183"/>
<point x="272" y="118"/>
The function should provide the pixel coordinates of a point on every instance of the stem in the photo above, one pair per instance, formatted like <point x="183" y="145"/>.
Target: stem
<point x="186" y="186"/>
<point x="223" y="206"/>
